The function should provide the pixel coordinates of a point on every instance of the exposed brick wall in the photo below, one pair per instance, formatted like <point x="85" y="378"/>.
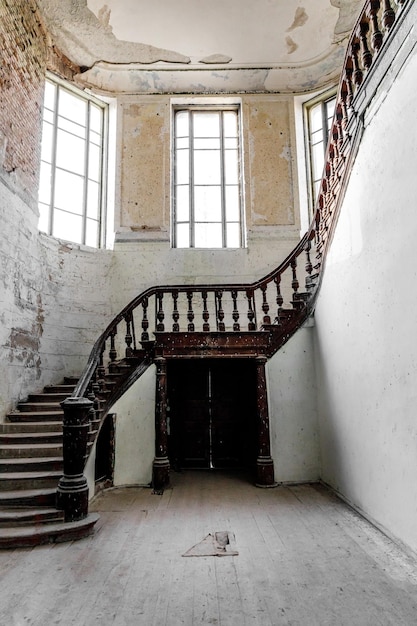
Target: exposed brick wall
<point x="24" y="54"/>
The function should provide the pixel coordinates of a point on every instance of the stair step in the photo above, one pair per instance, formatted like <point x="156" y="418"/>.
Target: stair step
<point x="29" y="480"/>
<point x="32" y="515"/>
<point x="28" y="464"/>
<point x="31" y="427"/>
<point x="44" y="407"/>
<point x="67" y="389"/>
<point x="34" y="535"/>
<point x="18" y="438"/>
<point x="25" y="450"/>
<point x="42" y="398"/>
<point x="36" y="416"/>
<point x="71" y="380"/>
<point x="28" y="497"/>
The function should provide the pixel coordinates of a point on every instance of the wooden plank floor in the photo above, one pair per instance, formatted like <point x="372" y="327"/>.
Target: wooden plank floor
<point x="305" y="558"/>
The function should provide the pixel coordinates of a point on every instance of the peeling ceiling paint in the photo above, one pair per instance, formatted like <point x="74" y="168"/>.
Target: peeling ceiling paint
<point x="248" y="42"/>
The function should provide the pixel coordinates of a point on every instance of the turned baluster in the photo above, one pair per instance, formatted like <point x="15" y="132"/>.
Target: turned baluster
<point x="349" y="84"/>
<point x="128" y="336"/>
<point x="357" y="72"/>
<point x="294" y="283"/>
<point x="235" y="314"/>
<point x="175" y="314"/>
<point x="343" y="104"/>
<point x="339" y="128"/>
<point x="376" y="34"/>
<point x="388" y="16"/>
<point x="251" y="312"/>
<point x="160" y="315"/>
<point x="220" y="313"/>
<point x="113" y="351"/>
<point x="279" y="298"/>
<point x="366" y="53"/>
<point x="265" y="306"/>
<point x="206" y="314"/>
<point x="309" y="265"/>
<point x="101" y="370"/>
<point x="190" y="312"/>
<point x="145" y="321"/>
<point x="332" y="162"/>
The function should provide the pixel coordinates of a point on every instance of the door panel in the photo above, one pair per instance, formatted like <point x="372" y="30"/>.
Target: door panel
<point x="212" y="409"/>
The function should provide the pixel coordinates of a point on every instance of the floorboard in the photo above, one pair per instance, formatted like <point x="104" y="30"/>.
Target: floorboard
<point x="305" y="559"/>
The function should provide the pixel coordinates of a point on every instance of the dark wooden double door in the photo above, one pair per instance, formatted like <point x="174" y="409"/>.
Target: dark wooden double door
<point x="212" y="413"/>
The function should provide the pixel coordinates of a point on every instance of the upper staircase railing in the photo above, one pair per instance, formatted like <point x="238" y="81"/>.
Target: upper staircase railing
<point x="280" y="302"/>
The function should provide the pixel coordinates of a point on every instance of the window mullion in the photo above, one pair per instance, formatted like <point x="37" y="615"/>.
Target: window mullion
<point x="53" y="160"/>
<point x="223" y="182"/>
<point x="191" y="177"/>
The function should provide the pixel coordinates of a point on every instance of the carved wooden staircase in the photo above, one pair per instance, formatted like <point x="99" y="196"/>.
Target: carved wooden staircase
<point x="253" y="319"/>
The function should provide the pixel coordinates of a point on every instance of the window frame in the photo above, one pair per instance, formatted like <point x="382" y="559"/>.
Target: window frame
<point x="101" y="234"/>
<point x="194" y="107"/>
<point x="322" y="99"/>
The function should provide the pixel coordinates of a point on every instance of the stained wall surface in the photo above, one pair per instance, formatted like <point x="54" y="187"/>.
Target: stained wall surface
<point x="365" y="322"/>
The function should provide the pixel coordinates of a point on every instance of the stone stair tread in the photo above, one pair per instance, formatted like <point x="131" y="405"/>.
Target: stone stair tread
<point x="31" y="434"/>
<point x="26" y="494"/>
<point x="30" y="427"/>
<point x="30" y="460"/>
<point x="24" y="536"/>
<point x="28" y="447"/>
<point x="22" y="514"/>
<point x="30" y="475"/>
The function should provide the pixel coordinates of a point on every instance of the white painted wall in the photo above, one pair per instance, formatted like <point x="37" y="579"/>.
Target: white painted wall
<point x="292" y="398"/>
<point x="365" y="323"/>
<point x="54" y="301"/>
<point x="135" y="432"/>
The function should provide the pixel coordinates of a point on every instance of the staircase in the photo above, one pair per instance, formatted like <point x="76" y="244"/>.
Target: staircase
<point x="199" y="320"/>
<point x="30" y="467"/>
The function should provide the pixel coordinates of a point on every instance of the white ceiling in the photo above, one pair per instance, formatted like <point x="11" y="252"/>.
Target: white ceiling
<point x="133" y="46"/>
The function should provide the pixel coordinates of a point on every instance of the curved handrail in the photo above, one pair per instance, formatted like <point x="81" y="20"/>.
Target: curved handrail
<point x="371" y="30"/>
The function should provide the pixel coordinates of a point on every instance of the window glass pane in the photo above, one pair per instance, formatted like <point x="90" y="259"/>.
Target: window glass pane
<point x="316" y="119"/>
<point x="43" y="217"/>
<point x="72" y="107"/>
<point x="93" y="200"/>
<point x="231" y="143"/>
<point x="48" y="116"/>
<point x="183" y="236"/>
<point x="317" y="160"/>
<point x="71" y="127"/>
<point x="207" y="167"/>
<point x="208" y="236"/>
<point x="95" y="138"/>
<point x="70" y="152"/>
<point x="182" y="142"/>
<point x="69" y="192"/>
<point x="95" y="118"/>
<point x="233" y="235"/>
<point x="181" y="124"/>
<point x="92" y="233"/>
<point x="49" y="96"/>
<point x="206" y="124"/>
<point x="231" y="167"/>
<point x="230" y="123"/>
<point x="317" y="136"/>
<point x="211" y="143"/>
<point x="182" y="204"/>
<point x="232" y="204"/>
<point x="67" y="226"/>
<point x="182" y="167"/>
<point x="94" y="165"/>
<point x="207" y="204"/>
<point x="46" y="147"/>
<point x="330" y="105"/>
<point x="45" y="183"/>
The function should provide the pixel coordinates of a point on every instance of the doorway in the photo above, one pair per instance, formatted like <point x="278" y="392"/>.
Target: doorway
<point x="212" y="413"/>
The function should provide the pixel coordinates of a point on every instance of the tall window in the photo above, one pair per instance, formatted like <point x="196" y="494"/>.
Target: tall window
<point x="207" y="203"/>
<point x="71" y="191"/>
<point x="320" y="116"/>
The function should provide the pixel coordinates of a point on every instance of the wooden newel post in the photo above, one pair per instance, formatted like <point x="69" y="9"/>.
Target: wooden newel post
<point x="264" y="463"/>
<point x="72" y="493"/>
<point x="160" y="470"/>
